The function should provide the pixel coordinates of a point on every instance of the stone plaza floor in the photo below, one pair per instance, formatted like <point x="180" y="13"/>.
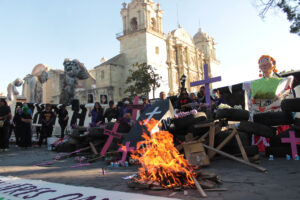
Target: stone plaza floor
<point x="281" y="182"/>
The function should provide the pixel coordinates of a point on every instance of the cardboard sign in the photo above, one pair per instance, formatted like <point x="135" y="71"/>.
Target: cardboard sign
<point x="161" y="110"/>
<point x="195" y="153"/>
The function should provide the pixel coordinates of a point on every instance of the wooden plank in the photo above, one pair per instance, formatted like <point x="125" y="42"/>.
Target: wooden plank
<point x="93" y="148"/>
<point x="236" y="159"/>
<point x="204" y="136"/>
<point x="211" y="140"/>
<point x="238" y="139"/>
<point x="199" y="188"/>
<point x="220" y="146"/>
<point x="204" y="125"/>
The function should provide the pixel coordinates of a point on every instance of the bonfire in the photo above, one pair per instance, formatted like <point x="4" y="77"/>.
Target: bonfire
<point x="161" y="163"/>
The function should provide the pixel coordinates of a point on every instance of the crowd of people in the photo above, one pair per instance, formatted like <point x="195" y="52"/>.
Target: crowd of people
<point x="21" y="122"/>
<point x="186" y="102"/>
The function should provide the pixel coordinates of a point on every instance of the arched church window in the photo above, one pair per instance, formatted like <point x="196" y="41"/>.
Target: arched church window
<point x="153" y="24"/>
<point x="133" y="24"/>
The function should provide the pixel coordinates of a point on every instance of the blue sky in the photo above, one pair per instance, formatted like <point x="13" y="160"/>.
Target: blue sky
<point x="48" y="31"/>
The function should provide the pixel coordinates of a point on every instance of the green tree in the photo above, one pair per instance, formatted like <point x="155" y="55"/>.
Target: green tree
<point x="290" y="7"/>
<point x="141" y="80"/>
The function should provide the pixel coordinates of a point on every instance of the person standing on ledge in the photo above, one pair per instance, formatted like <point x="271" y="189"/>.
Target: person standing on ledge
<point x="63" y="118"/>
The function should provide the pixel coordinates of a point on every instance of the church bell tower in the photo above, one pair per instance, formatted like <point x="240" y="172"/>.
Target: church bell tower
<point x="142" y="38"/>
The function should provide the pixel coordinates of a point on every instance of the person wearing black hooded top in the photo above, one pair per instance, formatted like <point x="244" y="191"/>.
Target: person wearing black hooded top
<point x="183" y="100"/>
<point x="25" y="125"/>
<point x="63" y="119"/>
<point x="111" y="112"/>
<point x="5" y="117"/>
<point x="47" y="120"/>
<point x="18" y="124"/>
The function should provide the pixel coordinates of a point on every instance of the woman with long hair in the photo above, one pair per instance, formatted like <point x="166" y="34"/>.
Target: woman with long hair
<point x="96" y="113"/>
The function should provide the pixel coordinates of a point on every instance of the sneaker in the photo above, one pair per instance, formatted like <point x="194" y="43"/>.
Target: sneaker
<point x="1" y="150"/>
<point x="5" y="150"/>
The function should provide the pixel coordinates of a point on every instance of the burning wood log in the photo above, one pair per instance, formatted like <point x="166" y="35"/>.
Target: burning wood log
<point x="163" y="167"/>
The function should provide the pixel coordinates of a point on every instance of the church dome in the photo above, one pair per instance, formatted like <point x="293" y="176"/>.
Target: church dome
<point x="201" y="36"/>
<point x="183" y="35"/>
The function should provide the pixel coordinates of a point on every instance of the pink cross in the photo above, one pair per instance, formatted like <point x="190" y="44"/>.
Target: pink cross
<point x="294" y="141"/>
<point x="111" y="134"/>
<point x="125" y="150"/>
<point x="135" y="107"/>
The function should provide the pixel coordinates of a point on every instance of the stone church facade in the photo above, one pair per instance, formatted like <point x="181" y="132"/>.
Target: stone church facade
<point x="143" y="41"/>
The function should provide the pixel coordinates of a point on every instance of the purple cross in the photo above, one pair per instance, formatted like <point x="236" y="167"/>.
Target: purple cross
<point x="111" y="134"/>
<point x="294" y="141"/>
<point x="125" y="150"/>
<point x="206" y="82"/>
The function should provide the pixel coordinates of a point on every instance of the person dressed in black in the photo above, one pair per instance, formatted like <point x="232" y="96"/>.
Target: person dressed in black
<point x="183" y="100"/>
<point x="47" y="120"/>
<point x="63" y="119"/>
<point x="97" y="114"/>
<point x="5" y="117"/>
<point x="111" y="112"/>
<point x="25" y="126"/>
<point x="18" y="125"/>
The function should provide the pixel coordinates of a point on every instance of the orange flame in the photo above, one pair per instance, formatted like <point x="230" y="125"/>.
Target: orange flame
<point x="161" y="162"/>
<point x="122" y="147"/>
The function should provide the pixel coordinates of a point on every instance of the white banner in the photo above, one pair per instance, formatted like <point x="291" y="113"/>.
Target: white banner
<point x="12" y="188"/>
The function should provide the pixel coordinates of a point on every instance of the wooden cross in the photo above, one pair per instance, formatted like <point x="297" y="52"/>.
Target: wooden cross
<point x="125" y="150"/>
<point x="207" y="80"/>
<point x="294" y="141"/>
<point x="111" y="135"/>
<point x="135" y="106"/>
